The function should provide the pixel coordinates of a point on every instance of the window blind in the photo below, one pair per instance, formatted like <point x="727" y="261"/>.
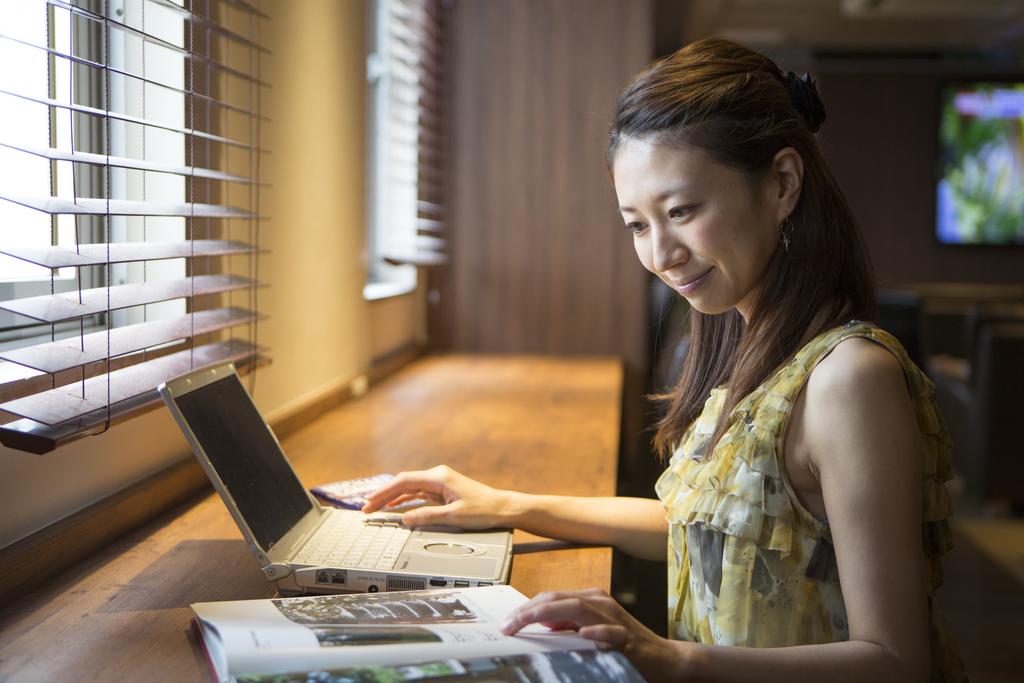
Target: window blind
<point x="130" y="215"/>
<point x="407" y="69"/>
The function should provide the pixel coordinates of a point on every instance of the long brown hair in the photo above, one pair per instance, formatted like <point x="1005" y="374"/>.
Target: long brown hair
<point x="735" y="104"/>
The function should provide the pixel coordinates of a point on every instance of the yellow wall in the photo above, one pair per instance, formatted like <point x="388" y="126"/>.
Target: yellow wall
<point x="321" y="332"/>
<point x="317" y="176"/>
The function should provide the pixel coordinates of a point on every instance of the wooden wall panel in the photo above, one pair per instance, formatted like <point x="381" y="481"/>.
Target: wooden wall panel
<point x="541" y="262"/>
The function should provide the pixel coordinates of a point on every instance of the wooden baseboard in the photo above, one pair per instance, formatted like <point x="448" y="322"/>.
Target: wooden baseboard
<point x="34" y="559"/>
<point x="30" y="562"/>
<point x="384" y="365"/>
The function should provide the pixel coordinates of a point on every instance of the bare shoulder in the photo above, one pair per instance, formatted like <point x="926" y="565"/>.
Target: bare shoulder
<point x="855" y="394"/>
<point x="856" y="359"/>
<point x="857" y="369"/>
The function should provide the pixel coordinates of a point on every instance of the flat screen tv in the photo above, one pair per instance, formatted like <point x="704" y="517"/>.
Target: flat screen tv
<point x="980" y="194"/>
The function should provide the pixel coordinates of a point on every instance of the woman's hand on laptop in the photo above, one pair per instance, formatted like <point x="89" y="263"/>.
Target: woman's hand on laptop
<point x="458" y="500"/>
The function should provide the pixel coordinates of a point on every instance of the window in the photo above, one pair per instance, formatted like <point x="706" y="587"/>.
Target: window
<point x="129" y="147"/>
<point x="406" y="193"/>
<point x="24" y="25"/>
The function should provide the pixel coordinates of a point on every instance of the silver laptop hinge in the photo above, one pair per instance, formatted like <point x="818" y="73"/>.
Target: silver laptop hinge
<point x="276" y="571"/>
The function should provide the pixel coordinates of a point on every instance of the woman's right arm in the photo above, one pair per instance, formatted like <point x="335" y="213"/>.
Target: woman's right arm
<point x="634" y="525"/>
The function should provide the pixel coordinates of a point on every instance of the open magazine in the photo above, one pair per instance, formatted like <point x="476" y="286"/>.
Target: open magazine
<point x="431" y="635"/>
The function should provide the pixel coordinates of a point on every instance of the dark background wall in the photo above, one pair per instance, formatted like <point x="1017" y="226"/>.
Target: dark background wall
<point x="541" y="262"/>
<point x="881" y="139"/>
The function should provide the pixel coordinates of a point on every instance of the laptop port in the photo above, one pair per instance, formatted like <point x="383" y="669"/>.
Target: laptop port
<point x="462" y="584"/>
<point x="323" y="577"/>
<point x="438" y="582"/>
<point x="484" y="583"/>
<point x="338" y="577"/>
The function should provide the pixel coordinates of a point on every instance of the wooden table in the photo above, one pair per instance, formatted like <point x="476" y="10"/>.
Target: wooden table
<point x="539" y="424"/>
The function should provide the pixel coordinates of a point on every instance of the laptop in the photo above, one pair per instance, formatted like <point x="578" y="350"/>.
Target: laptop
<point x="301" y="545"/>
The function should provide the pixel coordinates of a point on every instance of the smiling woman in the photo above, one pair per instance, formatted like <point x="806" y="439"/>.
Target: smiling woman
<point x="726" y="119"/>
<point x="803" y="502"/>
<point x="712" y="238"/>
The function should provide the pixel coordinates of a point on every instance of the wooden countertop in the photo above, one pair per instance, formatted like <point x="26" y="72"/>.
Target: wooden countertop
<point x="545" y="425"/>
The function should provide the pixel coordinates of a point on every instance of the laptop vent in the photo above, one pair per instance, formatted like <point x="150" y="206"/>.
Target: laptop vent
<point x="399" y="584"/>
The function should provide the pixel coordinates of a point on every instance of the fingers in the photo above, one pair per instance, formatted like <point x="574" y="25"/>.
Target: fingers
<point x="404" y="498"/>
<point x="560" y="625"/>
<point x="577" y="610"/>
<point x="430" y="515"/>
<point x="548" y="596"/>
<point x="428" y="482"/>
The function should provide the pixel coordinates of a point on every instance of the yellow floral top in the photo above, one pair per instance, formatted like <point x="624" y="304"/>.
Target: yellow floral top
<point x="748" y="564"/>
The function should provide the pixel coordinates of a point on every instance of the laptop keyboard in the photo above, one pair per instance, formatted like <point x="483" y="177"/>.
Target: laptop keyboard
<point x="348" y="542"/>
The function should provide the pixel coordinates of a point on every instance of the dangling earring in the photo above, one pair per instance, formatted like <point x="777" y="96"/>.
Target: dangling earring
<point x="785" y="232"/>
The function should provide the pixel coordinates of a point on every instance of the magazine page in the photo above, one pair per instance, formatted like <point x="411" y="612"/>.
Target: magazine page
<point x="574" y="666"/>
<point x="328" y="631"/>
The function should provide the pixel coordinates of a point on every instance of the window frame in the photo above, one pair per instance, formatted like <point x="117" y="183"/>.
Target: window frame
<point x="383" y="280"/>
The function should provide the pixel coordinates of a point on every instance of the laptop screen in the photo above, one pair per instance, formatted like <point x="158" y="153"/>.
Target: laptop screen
<point x="248" y="460"/>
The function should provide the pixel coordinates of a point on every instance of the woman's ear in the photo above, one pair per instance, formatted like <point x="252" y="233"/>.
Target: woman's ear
<point x="788" y="174"/>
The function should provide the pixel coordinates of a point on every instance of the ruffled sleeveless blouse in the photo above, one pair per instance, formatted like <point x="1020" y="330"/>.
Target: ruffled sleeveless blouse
<point x="748" y="563"/>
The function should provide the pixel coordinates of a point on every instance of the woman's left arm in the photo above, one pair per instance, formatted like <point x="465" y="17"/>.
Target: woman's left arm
<point x="860" y="428"/>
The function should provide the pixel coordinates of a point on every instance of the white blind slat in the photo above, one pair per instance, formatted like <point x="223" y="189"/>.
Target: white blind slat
<point x="128" y="118"/>
<point x="126" y="162"/>
<point x="176" y="88"/>
<point x="77" y="351"/>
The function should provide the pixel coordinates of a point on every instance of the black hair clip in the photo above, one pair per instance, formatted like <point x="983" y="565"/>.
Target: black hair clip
<point x="806" y="100"/>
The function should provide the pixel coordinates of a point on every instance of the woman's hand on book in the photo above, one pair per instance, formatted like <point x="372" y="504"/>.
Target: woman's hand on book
<point x="597" y="616"/>
<point x="458" y="500"/>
